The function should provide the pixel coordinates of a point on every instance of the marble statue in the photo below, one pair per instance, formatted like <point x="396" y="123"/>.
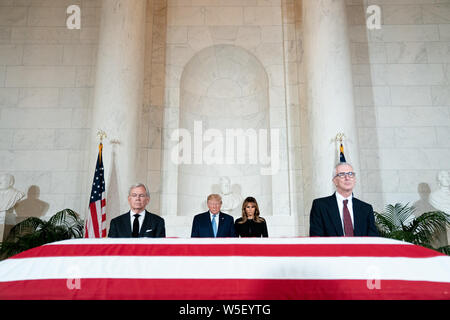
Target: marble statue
<point x="230" y="200"/>
<point x="9" y="196"/>
<point x="440" y="199"/>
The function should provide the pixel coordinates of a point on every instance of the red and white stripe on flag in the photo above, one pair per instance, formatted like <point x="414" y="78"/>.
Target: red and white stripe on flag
<point x="95" y="226"/>
<point x="227" y="269"/>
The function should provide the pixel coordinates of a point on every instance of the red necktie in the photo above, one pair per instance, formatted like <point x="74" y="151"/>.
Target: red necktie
<point x="348" y="227"/>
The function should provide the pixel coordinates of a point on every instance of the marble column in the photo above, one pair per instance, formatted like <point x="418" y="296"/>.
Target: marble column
<point x="329" y="90"/>
<point x="118" y="97"/>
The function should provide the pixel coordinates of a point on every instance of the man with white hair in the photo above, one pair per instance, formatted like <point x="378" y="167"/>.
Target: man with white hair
<point x="341" y="214"/>
<point x="138" y="222"/>
<point x="9" y="196"/>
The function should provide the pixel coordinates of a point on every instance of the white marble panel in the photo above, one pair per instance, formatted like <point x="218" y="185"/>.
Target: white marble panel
<point x="67" y="182"/>
<point x="402" y="14"/>
<point x="412" y="116"/>
<point x="35" y="118"/>
<point x="25" y="179"/>
<point x="177" y="35"/>
<point x="6" y="139"/>
<point x="438" y="52"/>
<point x="419" y="137"/>
<point x="44" y="35"/>
<point x="8" y="96"/>
<point x="370" y="96"/>
<point x="406" y="52"/>
<point x="42" y="55"/>
<point x="368" y="53"/>
<point x="374" y="138"/>
<point x="437" y="13"/>
<point x="262" y="16"/>
<point x="444" y="32"/>
<point x="75" y="97"/>
<point x="11" y="54"/>
<point x="380" y="181"/>
<point x="40" y="77"/>
<point x="47" y="17"/>
<point x="71" y="139"/>
<point x="440" y="95"/>
<point x="40" y="160"/>
<point x="224" y="16"/>
<point x="34" y="139"/>
<point x="411" y="96"/>
<point x="408" y="74"/>
<point x="38" y="98"/>
<point x="443" y="136"/>
<point x="185" y="16"/>
<point x="392" y="33"/>
<point x="80" y="55"/>
<point x="13" y="16"/>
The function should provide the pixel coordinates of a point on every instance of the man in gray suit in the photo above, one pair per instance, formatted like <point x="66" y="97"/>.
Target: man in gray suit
<point x="138" y="222"/>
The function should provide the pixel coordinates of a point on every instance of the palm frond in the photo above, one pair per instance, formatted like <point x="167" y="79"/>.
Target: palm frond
<point x="33" y="232"/>
<point x="399" y="222"/>
<point x="28" y="225"/>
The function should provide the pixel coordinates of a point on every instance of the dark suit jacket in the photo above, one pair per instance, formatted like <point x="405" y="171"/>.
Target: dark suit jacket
<point x="325" y="220"/>
<point x="152" y="226"/>
<point x="202" y="228"/>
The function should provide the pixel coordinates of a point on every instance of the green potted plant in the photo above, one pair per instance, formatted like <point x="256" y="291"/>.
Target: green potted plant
<point x="34" y="232"/>
<point x="399" y="222"/>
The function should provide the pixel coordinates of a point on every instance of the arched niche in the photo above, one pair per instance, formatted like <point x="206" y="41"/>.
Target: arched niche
<point x="224" y="101"/>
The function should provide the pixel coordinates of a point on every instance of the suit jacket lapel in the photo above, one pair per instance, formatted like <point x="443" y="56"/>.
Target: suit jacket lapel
<point x="146" y="224"/>
<point x="357" y="222"/>
<point x="335" y="216"/>
<point x="127" y="224"/>
<point x="221" y="221"/>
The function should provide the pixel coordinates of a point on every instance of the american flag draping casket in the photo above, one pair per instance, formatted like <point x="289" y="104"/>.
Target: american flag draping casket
<point x="227" y="269"/>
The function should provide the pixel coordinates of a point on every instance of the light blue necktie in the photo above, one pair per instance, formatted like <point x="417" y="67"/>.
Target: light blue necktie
<point x="214" y="225"/>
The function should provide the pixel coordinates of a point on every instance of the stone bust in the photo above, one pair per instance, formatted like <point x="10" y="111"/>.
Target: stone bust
<point x="230" y="200"/>
<point x="8" y="195"/>
<point x="440" y="199"/>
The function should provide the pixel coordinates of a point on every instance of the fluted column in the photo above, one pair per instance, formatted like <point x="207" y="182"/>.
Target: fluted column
<point x="119" y="96"/>
<point x="329" y="89"/>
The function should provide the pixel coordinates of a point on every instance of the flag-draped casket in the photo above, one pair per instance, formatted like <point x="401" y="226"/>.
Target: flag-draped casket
<point x="227" y="269"/>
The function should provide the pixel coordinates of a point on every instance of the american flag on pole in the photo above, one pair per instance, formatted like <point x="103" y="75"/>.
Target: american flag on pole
<point x="96" y="221"/>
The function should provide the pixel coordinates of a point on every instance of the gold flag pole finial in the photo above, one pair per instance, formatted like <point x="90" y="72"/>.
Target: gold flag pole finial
<point x="102" y="135"/>
<point x="340" y="137"/>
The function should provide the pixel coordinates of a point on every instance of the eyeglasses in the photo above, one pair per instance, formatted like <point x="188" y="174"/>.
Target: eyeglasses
<point x="134" y="195"/>
<point x="342" y="175"/>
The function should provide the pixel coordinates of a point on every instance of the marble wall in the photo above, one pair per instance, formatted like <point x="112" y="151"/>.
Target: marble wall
<point x="46" y="81"/>
<point x="402" y="85"/>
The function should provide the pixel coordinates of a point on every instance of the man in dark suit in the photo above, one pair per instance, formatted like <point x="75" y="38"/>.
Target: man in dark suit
<point x="213" y="223"/>
<point x="341" y="214"/>
<point x="138" y="222"/>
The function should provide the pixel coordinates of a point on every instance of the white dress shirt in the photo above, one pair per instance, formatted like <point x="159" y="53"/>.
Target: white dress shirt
<point x="141" y="218"/>
<point x="340" y="202"/>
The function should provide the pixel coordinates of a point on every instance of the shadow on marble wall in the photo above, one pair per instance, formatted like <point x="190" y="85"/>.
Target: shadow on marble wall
<point x="365" y="95"/>
<point x="31" y="206"/>
<point x="114" y="196"/>
<point x="423" y="205"/>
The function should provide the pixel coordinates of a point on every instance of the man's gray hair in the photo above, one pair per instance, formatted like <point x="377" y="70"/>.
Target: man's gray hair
<point x="138" y="185"/>
<point x="338" y="165"/>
